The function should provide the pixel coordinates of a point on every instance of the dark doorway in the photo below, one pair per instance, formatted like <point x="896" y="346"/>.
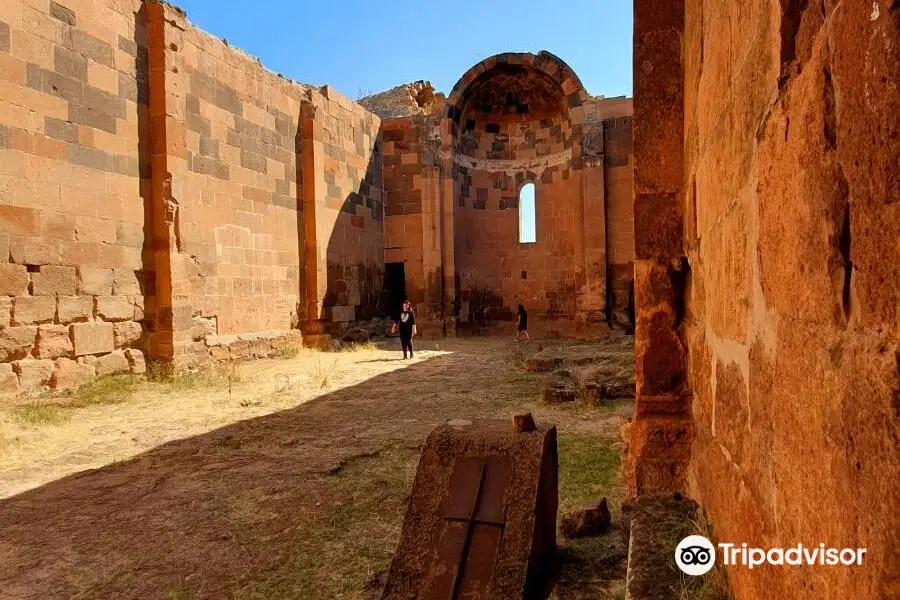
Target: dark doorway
<point x="395" y="287"/>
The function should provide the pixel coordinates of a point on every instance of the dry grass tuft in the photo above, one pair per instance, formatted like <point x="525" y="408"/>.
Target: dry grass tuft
<point x="41" y="413"/>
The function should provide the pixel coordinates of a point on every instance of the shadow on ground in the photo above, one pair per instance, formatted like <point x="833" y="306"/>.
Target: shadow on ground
<point x="305" y="503"/>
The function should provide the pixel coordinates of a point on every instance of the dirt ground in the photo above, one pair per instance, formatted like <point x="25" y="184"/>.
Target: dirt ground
<point x="281" y="479"/>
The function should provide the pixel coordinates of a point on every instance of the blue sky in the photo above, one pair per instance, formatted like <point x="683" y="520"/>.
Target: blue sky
<point x="372" y="45"/>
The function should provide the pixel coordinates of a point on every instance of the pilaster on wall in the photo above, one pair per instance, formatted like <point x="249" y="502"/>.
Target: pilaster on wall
<point x="164" y="209"/>
<point x="314" y="276"/>
<point x="661" y="434"/>
<point x="592" y="300"/>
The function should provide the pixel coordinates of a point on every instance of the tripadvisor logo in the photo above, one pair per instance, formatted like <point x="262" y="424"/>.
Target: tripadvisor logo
<point x="696" y="555"/>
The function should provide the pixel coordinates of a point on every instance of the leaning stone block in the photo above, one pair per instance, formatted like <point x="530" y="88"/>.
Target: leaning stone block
<point x="68" y="374"/>
<point x="92" y="338"/>
<point x="34" y="375"/>
<point x="53" y="341"/>
<point x="318" y="341"/>
<point x="481" y="522"/>
<point x="16" y="342"/>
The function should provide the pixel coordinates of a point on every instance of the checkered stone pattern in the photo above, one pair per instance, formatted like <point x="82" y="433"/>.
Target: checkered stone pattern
<point x="233" y="159"/>
<point x="348" y="214"/>
<point x="72" y="92"/>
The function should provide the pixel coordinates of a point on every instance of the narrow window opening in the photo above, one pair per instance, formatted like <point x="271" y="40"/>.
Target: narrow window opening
<point x="527" y="218"/>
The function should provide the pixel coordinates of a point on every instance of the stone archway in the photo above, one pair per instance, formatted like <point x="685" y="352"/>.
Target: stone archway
<point x="511" y="119"/>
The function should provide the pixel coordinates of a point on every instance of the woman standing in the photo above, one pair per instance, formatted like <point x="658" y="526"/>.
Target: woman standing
<point x="407" y="326"/>
<point x="522" y="325"/>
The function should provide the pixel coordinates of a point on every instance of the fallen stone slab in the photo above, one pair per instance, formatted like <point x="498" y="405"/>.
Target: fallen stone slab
<point x="561" y="386"/>
<point x="555" y="357"/>
<point x="481" y="521"/>
<point x="606" y="381"/>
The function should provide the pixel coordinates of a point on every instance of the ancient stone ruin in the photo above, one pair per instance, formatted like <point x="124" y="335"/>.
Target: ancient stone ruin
<point x="166" y="198"/>
<point x="481" y="522"/>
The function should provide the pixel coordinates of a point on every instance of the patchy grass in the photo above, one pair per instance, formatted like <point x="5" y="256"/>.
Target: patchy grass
<point x="335" y="558"/>
<point x="588" y="470"/>
<point x="287" y="351"/>
<point x="41" y="413"/>
<point x="360" y="347"/>
<point x="113" y="389"/>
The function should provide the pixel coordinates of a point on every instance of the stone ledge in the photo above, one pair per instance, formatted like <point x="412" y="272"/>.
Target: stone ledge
<point x="654" y="525"/>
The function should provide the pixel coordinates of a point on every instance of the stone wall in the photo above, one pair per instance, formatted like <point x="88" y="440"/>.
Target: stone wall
<point x="452" y="185"/>
<point x="403" y="227"/>
<point x="72" y="279"/>
<point x="344" y="206"/>
<point x="493" y="161"/>
<point x="152" y="197"/>
<point x="231" y="133"/>
<point x="792" y="221"/>
<point x="767" y="285"/>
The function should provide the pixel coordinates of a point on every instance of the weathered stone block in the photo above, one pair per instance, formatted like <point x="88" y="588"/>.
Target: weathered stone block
<point x="112" y="364"/>
<point x="561" y="387"/>
<point x="92" y="338"/>
<point x="74" y="308"/>
<point x="318" y="341"/>
<point x="16" y="342"/>
<point x="126" y="283"/>
<point x="260" y="348"/>
<point x="95" y="282"/>
<point x="31" y="310"/>
<point x="34" y="375"/>
<point x="54" y="280"/>
<point x="136" y="361"/>
<point x="5" y="311"/>
<point x="219" y="353"/>
<point x="126" y="333"/>
<point x="13" y="280"/>
<point x="240" y="349"/>
<point x="589" y="521"/>
<point x="660" y="355"/>
<point x="53" y="341"/>
<point x="484" y="494"/>
<point x="115" y="308"/>
<point x="343" y="314"/>
<point x="659" y="228"/>
<point x="68" y="374"/>
<point x="9" y="381"/>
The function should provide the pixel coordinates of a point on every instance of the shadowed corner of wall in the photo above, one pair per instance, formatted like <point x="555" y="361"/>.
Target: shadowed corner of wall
<point x="354" y="252"/>
<point x="147" y="280"/>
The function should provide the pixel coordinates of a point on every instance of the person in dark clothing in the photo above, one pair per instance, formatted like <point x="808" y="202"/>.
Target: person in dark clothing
<point x="522" y="326"/>
<point x="407" y="326"/>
